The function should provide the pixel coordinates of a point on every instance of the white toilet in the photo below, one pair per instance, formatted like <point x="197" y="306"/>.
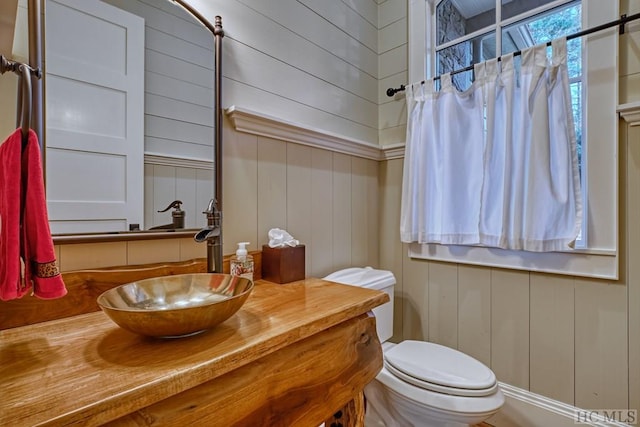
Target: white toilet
<point x="421" y="384"/>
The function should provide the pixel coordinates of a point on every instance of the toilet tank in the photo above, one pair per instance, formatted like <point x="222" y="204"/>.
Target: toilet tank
<point x="371" y="278"/>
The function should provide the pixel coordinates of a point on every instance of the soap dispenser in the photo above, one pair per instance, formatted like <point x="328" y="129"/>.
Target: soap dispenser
<point x="242" y="263"/>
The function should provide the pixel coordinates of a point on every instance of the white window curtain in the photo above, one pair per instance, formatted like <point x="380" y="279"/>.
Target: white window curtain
<point x="495" y="165"/>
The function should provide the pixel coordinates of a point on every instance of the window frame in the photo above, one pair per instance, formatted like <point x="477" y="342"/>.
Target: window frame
<point x="600" y="256"/>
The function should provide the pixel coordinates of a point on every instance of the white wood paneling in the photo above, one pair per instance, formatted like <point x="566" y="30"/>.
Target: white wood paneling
<point x="474" y="312"/>
<point x="308" y="25"/>
<point x="510" y="326"/>
<point x="179" y="63"/>
<point x="359" y="214"/>
<point x="204" y="192"/>
<point x="299" y="197"/>
<point x="393" y="61"/>
<point x="393" y="135"/>
<point x="85" y="255"/>
<point x="341" y="211"/>
<point x="365" y="8"/>
<point x="413" y="316"/>
<point x="277" y="77"/>
<point x="152" y="251"/>
<point x="240" y="191"/>
<point x="321" y="218"/>
<point x="186" y="193"/>
<point x="272" y="187"/>
<point x="263" y="32"/>
<point x="166" y="183"/>
<point x="281" y="64"/>
<point x="443" y="304"/>
<point x="552" y="331"/>
<point x="239" y="93"/>
<point x="190" y="249"/>
<point x="164" y="191"/>
<point x="391" y="11"/>
<point x="601" y="357"/>
<point x="391" y="114"/>
<point x="167" y="87"/>
<point x="392" y="251"/>
<point x="373" y="214"/>
<point x="392" y="36"/>
<point x="347" y="20"/>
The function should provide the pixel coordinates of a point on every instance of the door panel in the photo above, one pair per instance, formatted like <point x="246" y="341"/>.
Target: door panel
<point x="94" y="108"/>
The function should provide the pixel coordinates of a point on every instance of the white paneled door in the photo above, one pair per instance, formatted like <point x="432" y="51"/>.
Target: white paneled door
<point x="94" y="116"/>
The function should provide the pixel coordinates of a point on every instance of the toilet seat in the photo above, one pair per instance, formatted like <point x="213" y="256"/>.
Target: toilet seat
<point x="440" y="369"/>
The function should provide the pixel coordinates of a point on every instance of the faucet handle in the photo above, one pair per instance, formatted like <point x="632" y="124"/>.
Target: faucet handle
<point x="175" y="204"/>
<point x="211" y="207"/>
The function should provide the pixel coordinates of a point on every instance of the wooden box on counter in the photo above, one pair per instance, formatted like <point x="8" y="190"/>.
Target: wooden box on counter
<point x="283" y="265"/>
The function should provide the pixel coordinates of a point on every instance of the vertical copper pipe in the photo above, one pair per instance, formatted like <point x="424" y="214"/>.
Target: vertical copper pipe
<point x="214" y="244"/>
<point x="218" y="34"/>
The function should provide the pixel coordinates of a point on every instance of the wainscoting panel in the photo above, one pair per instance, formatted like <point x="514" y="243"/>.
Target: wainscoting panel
<point x="240" y="191"/>
<point x="474" y="312"/>
<point x="359" y="212"/>
<point x="443" y="304"/>
<point x="510" y="326"/>
<point x="321" y="217"/>
<point x="552" y="330"/>
<point x="272" y="187"/>
<point x="341" y="213"/>
<point x="299" y="198"/>
<point x="601" y="345"/>
<point x="411" y="300"/>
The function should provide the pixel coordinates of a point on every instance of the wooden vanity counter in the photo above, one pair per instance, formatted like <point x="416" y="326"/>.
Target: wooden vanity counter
<point x="292" y="356"/>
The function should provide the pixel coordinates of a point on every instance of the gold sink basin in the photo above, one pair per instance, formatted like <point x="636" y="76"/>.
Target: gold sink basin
<point x="175" y="306"/>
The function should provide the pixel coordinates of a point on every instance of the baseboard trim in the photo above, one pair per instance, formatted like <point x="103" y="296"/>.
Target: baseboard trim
<point x="526" y="409"/>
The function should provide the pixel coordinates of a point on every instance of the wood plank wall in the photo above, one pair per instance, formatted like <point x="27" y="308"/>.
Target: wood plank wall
<point x="310" y="62"/>
<point x="568" y="338"/>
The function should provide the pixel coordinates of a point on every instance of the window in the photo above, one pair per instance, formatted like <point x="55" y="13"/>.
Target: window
<point x="516" y="28"/>
<point x="446" y="35"/>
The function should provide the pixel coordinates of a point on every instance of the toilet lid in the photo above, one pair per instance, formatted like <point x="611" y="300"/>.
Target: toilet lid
<point x="441" y="369"/>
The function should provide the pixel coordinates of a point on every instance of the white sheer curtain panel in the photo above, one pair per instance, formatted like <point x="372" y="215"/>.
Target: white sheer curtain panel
<point x="495" y="165"/>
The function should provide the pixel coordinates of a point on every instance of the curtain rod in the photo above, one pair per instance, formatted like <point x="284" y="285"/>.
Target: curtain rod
<point x="620" y="22"/>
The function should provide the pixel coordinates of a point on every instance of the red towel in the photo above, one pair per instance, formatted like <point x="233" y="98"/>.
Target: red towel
<point x="25" y="232"/>
<point x="11" y="285"/>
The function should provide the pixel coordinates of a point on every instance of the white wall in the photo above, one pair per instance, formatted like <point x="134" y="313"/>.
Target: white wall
<point x="392" y="70"/>
<point x="311" y="62"/>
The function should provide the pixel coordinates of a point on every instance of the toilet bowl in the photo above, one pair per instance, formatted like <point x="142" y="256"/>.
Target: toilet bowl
<point x="421" y="384"/>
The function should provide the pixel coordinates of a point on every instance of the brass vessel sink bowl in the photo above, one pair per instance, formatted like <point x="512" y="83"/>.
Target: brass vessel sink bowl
<point x="175" y="306"/>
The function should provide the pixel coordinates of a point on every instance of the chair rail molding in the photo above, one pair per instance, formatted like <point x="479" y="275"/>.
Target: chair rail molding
<point x="256" y="123"/>
<point x="630" y="113"/>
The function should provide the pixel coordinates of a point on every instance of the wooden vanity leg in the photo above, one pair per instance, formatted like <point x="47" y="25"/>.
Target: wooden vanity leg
<point x="351" y="415"/>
